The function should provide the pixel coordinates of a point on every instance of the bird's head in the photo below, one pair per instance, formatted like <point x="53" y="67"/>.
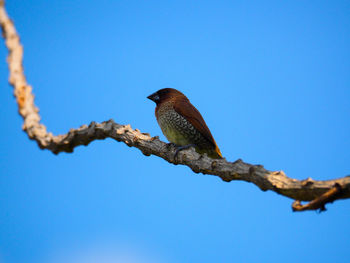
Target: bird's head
<point x="165" y="94"/>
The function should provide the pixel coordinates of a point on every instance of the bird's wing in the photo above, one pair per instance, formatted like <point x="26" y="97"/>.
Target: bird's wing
<point x="187" y="110"/>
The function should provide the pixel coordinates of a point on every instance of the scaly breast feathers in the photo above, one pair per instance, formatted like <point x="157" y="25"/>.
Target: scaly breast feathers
<point x="175" y="127"/>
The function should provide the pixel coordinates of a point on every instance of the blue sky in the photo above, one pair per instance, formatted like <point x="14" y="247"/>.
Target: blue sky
<point x="271" y="79"/>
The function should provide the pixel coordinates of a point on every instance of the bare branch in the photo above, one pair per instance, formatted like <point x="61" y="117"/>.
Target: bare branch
<point x="321" y="192"/>
<point x="319" y="203"/>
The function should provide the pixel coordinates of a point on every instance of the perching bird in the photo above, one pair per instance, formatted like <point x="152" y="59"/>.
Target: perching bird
<point x="182" y="124"/>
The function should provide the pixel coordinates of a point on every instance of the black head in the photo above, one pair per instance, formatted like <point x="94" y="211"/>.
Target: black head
<point x="165" y="94"/>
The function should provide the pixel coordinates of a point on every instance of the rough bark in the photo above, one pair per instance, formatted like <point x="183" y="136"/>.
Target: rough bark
<point x="318" y="192"/>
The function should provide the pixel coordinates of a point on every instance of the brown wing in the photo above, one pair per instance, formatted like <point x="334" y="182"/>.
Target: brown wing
<point x="187" y="110"/>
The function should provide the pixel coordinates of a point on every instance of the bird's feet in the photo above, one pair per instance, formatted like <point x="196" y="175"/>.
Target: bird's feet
<point x="171" y="144"/>
<point x="180" y="148"/>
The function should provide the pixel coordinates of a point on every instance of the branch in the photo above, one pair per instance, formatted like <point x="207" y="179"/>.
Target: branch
<point x="321" y="192"/>
<point x="319" y="202"/>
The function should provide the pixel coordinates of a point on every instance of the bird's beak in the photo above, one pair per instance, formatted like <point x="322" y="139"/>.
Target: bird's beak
<point x="154" y="97"/>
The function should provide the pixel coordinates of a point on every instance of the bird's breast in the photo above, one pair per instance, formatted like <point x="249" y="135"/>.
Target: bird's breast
<point x="175" y="127"/>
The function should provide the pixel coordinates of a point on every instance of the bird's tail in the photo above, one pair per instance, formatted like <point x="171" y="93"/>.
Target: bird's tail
<point x="217" y="153"/>
<point x="214" y="153"/>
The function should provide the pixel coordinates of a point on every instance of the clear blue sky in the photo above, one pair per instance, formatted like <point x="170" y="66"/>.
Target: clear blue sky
<point x="271" y="79"/>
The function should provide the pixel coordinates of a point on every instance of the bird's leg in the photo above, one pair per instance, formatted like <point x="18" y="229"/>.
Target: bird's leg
<point x="183" y="148"/>
<point x="168" y="146"/>
<point x="171" y="144"/>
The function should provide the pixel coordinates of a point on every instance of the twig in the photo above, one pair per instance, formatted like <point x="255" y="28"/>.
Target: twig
<point x="320" y="202"/>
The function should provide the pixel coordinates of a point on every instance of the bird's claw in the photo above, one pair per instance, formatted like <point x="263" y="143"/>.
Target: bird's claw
<point x="171" y="144"/>
<point x="182" y="148"/>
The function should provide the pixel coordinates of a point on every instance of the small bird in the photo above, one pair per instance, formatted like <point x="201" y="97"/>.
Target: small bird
<point x="182" y="124"/>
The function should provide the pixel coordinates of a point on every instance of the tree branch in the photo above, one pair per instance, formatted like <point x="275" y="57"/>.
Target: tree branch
<point x="319" y="202"/>
<point x="321" y="192"/>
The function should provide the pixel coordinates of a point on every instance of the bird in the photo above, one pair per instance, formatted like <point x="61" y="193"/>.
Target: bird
<point x="182" y="124"/>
